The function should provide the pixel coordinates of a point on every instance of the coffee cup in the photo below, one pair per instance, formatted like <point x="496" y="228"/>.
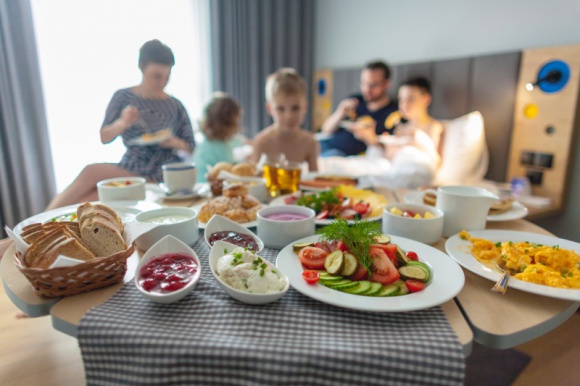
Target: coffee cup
<point x="179" y="176"/>
<point x="464" y="207"/>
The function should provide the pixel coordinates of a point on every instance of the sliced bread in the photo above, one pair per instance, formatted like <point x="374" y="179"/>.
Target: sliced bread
<point x="102" y="236"/>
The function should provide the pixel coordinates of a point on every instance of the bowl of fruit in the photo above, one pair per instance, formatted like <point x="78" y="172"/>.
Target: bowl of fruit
<point x="417" y="222"/>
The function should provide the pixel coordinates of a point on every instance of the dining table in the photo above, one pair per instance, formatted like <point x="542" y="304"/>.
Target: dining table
<point x="296" y="340"/>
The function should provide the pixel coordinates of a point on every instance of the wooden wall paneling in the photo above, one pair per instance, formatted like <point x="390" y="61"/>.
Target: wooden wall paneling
<point x="450" y="88"/>
<point x="493" y="87"/>
<point x="558" y="110"/>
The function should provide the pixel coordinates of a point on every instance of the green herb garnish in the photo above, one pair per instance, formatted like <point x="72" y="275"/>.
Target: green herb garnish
<point x="357" y="237"/>
<point x="320" y="200"/>
<point x="498" y="244"/>
<point x="556" y="247"/>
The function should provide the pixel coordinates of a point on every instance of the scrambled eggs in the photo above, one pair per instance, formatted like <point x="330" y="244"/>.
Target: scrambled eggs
<point x="540" y="264"/>
<point x="377" y="201"/>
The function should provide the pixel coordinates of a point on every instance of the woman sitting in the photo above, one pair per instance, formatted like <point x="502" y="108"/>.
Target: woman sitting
<point x="141" y="113"/>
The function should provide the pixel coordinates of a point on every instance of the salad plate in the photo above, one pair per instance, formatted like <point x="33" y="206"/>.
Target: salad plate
<point x="127" y="210"/>
<point x="517" y="211"/>
<point x="460" y="251"/>
<point x="446" y="282"/>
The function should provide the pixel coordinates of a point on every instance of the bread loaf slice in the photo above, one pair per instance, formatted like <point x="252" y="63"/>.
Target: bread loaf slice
<point x="88" y="208"/>
<point x="43" y="252"/>
<point x="102" y="236"/>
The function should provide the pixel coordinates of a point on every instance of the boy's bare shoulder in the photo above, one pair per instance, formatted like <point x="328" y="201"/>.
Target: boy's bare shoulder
<point x="307" y="136"/>
<point x="264" y="135"/>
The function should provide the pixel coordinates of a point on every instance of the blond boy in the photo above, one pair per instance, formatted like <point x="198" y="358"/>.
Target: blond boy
<point x="287" y="105"/>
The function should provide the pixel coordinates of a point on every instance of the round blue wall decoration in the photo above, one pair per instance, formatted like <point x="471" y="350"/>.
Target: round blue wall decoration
<point x="551" y="87"/>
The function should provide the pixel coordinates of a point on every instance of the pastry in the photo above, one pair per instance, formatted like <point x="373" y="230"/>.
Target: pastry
<point x="244" y="169"/>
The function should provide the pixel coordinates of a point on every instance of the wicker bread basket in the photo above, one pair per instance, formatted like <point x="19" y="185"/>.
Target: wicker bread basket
<point x="87" y="276"/>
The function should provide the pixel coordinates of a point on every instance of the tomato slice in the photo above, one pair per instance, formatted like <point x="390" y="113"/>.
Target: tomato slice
<point x="361" y="273"/>
<point x="361" y="207"/>
<point x="390" y="250"/>
<point x="342" y="246"/>
<point x="415" y="285"/>
<point x="310" y="276"/>
<point x="412" y="255"/>
<point x="312" y="257"/>
<point x="383" y="268"/>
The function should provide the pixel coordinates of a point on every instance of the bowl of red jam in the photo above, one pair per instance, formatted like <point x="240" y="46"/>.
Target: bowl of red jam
<point x="168" y="272"/>
<point x="224" y="229"/>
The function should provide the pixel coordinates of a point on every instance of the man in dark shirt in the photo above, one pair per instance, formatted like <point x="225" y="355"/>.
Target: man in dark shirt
<point x="372" y="107"/>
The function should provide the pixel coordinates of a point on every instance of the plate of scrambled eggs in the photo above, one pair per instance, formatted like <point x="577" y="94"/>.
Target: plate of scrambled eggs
<point x="546" y="265"/>
<point x="154" y="138"/>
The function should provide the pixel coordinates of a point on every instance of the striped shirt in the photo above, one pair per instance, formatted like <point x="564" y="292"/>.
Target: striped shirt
<point x="158" y="114"/>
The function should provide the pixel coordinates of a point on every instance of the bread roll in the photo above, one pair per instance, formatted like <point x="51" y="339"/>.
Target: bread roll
<point x="244" y="169"/>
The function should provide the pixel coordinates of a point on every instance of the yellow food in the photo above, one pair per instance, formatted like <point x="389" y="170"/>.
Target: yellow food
<point x="540" y="264"/>
<point x="377" y="201"/>
<point x="396" y="211"/>
<point x="429" y="215"/>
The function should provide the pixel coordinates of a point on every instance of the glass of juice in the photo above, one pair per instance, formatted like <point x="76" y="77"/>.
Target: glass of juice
<point x="270" y="165"/>
<point x="289" y="177"/>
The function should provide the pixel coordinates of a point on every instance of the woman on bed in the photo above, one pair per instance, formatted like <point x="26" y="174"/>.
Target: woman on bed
<point x="132" y="112"/>
<point x="410" y="157"/>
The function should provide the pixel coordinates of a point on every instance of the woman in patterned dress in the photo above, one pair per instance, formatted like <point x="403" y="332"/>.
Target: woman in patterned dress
<point x="132" y="112"/>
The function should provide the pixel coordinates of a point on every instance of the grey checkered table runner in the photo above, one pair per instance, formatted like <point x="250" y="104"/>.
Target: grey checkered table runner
<point x="209" y="338"/>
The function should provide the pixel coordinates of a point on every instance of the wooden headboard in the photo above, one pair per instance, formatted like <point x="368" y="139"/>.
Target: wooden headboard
<point x="485" y="83"/>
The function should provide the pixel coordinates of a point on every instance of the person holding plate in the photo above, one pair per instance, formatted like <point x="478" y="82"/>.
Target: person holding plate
<point x="154" y="127"/>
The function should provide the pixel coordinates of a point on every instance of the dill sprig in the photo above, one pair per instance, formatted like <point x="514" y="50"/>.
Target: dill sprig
<point x="357" y="237"/>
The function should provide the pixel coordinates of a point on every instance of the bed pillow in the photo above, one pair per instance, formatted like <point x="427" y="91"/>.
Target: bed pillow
<point x="465" y="156"/>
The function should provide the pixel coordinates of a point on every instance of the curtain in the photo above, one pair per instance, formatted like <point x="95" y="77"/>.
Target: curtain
<point x="251" y="39"/>
<point x="26" y="171"/>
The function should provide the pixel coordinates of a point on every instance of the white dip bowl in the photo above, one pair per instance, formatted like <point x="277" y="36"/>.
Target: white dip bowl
<point x="220" y="223"/>
<point x="179" y="222"/>
<point x="424" y="230"/>
<point x="278" y="233"/>
<point x="121" y="189"/>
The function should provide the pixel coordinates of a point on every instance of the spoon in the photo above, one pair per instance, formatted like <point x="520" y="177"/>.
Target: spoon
<point x="501" y="285"/>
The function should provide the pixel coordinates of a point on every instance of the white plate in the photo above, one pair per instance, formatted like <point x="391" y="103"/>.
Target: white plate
<point x="279" y="201"/>
<point x="364" y="182"/>
<point x="139" y="141"/>
<point x="447" y="280"/>
<point x="199" y="190"/>
<point x="459" y="250"/>
<point x="516" y="212"/>
<point x="220" y="223"/>
<point x="202" y="225"/>
<point x="127" y="210"/>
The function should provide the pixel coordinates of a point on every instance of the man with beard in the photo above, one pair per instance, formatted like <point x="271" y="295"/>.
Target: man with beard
<point x="372" y="107"/>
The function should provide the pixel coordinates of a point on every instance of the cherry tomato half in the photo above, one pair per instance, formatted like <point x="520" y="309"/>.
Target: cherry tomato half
<point x="310" y="276"/>
<point x="415" y="285"/>
<point x="412" y="255"/>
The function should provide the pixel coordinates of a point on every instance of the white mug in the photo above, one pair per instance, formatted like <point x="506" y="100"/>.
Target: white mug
<point x="465" y="207"/>
<point x="179" y="176"/>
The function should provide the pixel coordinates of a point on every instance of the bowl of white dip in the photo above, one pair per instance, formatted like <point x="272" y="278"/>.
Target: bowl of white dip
<point x="179" y="222"/>
<point x="246" y="276"/>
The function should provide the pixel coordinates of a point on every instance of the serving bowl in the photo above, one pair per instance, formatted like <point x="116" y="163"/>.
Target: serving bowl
<point x="220" y="223"/>
<point x="424" y="230"/>
<point x="168" y="245"/>
<point x="279" y="233"/>
<point x="219" y="249"/>
<point x="121" y="189"/>
<point x="180" y="222"/>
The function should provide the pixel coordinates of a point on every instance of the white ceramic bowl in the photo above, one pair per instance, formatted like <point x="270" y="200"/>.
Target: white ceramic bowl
<point x="277" y="234"/>
<point x="217" y="251"/>
<point x="220" y="223"/>
<point x="109" y="191"/>
<point x="424" y="230"/>
<point x="185" y="230"/>
<point x="168" y="244"/>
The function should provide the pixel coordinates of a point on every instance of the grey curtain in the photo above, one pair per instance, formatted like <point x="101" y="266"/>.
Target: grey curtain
<point x="251" y="39"/>
<point x="26" y="169"/>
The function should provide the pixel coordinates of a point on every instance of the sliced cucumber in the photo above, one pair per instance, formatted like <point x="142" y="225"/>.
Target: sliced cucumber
<point x="298" y="246"/>
<point x="423" y="266"/>
<point x="362" y="286"/>
<point x="402" y="258"/>
<point x="382" y="239"/>
<point x="375" y="288"/>
<point x="350" y="264"/>
<point x="334" y="262"/>
<point x="344" y="286"/>
<point x="389" y="290"/>
<point x="401" y="284"/>
<point x="413" y="272"/>
<point x="336" y="283"/>
<point x="325" y="278"/>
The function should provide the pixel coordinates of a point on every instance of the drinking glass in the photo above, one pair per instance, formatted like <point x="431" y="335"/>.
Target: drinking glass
<point x="289" y="177"/>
